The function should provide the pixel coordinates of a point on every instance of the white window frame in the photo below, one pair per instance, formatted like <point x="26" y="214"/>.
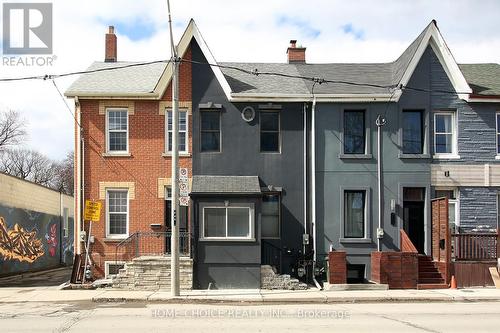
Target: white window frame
<point x="116" y="152"/>
<point x="250" y="224"/>
<point x="106" y="267"/>
<point x="498" y="210"/>
<point x="185" y="151"/>
<point x="454" y="136"/>
<point x="117" y="236"/>
<point x="367" y="235"/>
<point x="497" y="134"/>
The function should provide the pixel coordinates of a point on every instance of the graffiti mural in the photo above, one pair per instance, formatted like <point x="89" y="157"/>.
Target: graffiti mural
<point x="51" y="238"/>
<point x="19" y="244"/>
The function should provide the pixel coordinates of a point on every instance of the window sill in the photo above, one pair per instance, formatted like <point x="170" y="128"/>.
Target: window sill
<point x="116" y="155"/>
<point x="356" y="156"/>
<point x="227" y="239"/>
<point x="413" y="156"/>
<point x="113" y="239"/>
<point x="181" y="154"/>
<point x="356" y="240"/>
<point x="446" y="157"/>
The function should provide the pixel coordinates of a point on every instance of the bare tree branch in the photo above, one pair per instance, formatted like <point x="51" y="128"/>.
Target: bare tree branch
<point x="12" y="129"/>
<point x="29" y="165"/>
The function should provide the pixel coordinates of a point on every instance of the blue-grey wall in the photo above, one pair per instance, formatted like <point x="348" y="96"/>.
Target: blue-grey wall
<point x="476" y="143"/>
<point x="240" y="154"/>
<point x="47" y="248"/>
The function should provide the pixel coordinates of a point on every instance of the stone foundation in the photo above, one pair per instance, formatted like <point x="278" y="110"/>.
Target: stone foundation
<point x="270" y="280"/>
<point x="153" y="273"/>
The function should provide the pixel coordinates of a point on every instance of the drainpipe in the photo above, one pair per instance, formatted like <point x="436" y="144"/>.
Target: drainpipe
<point x="304" y="147"/>
<point x="380" y="233"/>
<point x="61" y="227"/>
<point x="313" y="187"/>
<point x="78" y="175"/>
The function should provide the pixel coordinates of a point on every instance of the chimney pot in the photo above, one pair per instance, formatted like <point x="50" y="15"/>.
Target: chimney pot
<point x="110" y="52"/>
<point x="296" y="55"/>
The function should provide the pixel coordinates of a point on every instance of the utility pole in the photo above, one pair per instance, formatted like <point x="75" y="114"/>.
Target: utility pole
<point x="174" y="251"/>
<point x="380" y="122"/>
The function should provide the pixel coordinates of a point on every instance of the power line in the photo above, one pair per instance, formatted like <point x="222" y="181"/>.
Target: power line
<point x="56" y="76"/>
<point x="66" y="103"/>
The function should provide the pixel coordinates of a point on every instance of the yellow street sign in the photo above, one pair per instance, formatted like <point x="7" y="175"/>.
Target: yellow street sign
<point x="92" y="210"/>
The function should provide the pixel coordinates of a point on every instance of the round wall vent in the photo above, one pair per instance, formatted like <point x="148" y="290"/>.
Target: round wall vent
<point x="248" y="114"/>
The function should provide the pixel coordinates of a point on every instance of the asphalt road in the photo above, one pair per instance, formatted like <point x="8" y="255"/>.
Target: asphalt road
<point x="139" y="317"/>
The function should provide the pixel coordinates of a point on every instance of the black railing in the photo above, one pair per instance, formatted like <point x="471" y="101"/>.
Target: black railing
<point x="151" y="243"/>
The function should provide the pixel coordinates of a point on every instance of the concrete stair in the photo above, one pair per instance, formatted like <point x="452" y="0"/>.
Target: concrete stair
<point x="153" y="273"/>
<point x="428" y="274"/>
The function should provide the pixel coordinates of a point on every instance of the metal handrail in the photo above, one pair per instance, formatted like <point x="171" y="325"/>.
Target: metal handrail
<point x="152" y="247"/>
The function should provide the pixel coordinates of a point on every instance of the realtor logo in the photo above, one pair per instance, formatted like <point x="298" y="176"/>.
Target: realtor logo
<point x="27" y="28"/>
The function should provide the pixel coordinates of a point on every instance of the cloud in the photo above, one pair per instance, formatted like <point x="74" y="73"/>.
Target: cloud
<point x="257" y="31"/>
<point x="305" y="27"/>
<point x="349" y="29"/>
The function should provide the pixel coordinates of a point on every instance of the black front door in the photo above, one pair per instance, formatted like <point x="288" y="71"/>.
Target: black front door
<point x="414" y="223"/>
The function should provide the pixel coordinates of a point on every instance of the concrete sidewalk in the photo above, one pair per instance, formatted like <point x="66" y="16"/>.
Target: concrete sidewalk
<point x="54" y="294"/>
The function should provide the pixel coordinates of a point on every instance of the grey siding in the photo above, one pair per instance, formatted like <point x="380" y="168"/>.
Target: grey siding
<point x="478" y="207"/>
<point x="476" y="141"/>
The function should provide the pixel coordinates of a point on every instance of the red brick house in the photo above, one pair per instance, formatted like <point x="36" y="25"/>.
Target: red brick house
<point x="123" y="151"/>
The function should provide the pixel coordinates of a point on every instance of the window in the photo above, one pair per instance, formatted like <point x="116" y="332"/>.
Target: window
<point x="444" y="133"/>
<point x="354" y="132"/>
<point x="65" y="222"/>
<point x="354" y="213"/>
<point x="271" y="216"/>
<point x="498" y="211"/>
<point x="117" y="133"/>
<point x="498" y="133"/>
<point x="183" y="131"/>
<point x="413" y="132"/>
<point x="227" y="222"/>
<point x="210" y="131"/>
<point x="117" y="213"/>
<point x="269" y="132"/>
<point x="111" y="269"/>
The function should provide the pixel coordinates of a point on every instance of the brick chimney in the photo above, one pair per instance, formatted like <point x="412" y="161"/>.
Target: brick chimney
<point x="110" y="52"/>
<point x="296" y="55"/>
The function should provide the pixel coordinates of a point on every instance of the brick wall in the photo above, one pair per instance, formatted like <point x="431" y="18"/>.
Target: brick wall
<point x="337" y="267"/>
<point x="397" y="269"/>
<point x="143" y="168"/>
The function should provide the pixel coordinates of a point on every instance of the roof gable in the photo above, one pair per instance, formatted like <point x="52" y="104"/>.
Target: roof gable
<point x="410" y="58"/>
<point x="191" y="32"/>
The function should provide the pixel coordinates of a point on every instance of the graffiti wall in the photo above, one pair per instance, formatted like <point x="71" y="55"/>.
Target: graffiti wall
<point x="32" y="241"/>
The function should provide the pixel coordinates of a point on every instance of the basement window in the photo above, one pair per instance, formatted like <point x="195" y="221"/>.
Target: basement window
<point x="112" y="268"/>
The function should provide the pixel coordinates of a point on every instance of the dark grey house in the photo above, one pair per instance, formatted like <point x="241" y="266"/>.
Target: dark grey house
<point x="294" y="147"/>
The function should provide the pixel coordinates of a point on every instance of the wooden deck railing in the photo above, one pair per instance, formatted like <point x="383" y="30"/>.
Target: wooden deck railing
<point x="406" y="243"/>
<point x="475" y="246"/>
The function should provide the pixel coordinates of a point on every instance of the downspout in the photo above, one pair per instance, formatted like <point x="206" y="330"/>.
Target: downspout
<point x="79" y="190"/>
<point x="380" y="122"/>
<point x="304" y="147"/>
<point x="313" y="187"/>
<point x="61" y="227"/>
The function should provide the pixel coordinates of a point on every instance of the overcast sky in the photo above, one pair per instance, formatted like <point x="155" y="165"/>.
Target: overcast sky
<point x="259" y="31"/>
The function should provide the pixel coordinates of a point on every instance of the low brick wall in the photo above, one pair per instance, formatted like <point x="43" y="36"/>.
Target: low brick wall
<point x="399" y="270"/>
<point x="337" y="267"/>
